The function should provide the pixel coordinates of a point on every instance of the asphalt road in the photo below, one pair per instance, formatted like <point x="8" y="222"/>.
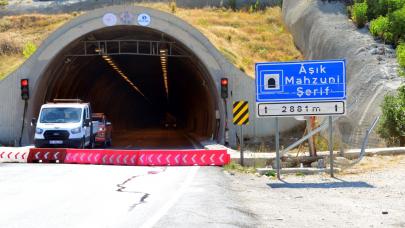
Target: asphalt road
<point x="154" y="138"/>
<point x="61" y="195"/>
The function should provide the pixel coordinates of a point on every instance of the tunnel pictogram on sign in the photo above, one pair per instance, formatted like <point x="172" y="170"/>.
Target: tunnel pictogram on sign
<point x="240" y="113"/>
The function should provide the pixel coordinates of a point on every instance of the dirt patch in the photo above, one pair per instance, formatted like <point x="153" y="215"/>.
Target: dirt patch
<point x="376" y="163"/>
<point x="372" y="197"/>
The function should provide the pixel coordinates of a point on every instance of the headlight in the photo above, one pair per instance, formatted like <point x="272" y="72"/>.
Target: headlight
<point x="76" y="130"/>
<point x="38" y="131"/>
<point x="101" y="129"/>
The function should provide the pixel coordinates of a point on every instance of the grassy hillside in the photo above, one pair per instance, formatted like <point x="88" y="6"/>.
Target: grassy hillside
<point x="243" y="37"/>
<point x="16" y="32"/>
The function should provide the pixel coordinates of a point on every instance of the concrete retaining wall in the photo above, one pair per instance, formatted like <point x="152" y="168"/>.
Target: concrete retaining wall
<point x="322" y="30"/>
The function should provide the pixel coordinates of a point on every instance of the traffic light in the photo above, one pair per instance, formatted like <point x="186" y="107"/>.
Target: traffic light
<point x="24" y="89"/>
<point x="224" y="88"/>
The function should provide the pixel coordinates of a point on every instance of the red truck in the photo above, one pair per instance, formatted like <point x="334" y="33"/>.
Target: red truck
<point x="104" y="132"/>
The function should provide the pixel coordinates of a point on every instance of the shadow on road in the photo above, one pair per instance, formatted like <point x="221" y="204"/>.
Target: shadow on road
<point x="340" y="184"/>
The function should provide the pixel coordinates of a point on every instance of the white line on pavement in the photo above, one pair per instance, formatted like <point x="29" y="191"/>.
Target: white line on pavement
<point x="169" y="204"/>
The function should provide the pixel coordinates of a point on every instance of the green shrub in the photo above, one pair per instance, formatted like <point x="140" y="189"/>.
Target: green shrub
<point x="397" y="24"/>
<point x="29" y="49"/>
<point x="254" y="7"/>
<point x="232" y="4"/>
<point x="3" y="3"/>
<point x="378" y="8"/>
<point x="392" y="123"/>
<point x="373" y="9"/>
<point x="359" y="14"/>
<point x="401" y="54"/>
<point x="380" y="26"/>
<point x="173" y="6"/>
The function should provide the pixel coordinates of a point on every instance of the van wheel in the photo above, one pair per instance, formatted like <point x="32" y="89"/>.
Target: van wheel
<point x="83" y="144"/>
<point x="91" y="143"/>
<point x="109" y="143"/>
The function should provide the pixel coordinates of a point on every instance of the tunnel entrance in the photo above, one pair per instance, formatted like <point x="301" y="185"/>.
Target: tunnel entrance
<point x="155" y="91"/>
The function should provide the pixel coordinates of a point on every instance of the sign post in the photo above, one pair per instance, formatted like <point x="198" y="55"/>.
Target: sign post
<point x="241" y="146"/>
<point x="306" y="88"/>
<point x="331" y="146"/>
<point x="278" y="163"/>
<point x="241" y="117"/>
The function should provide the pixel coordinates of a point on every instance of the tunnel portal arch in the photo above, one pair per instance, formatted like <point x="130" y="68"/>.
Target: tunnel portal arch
<point x="60" y="73"/>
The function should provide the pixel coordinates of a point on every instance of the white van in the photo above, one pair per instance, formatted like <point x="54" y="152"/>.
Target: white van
<point x="64" y="123"/>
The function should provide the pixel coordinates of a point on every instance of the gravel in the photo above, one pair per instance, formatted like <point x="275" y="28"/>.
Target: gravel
<point x="369" y="199"/>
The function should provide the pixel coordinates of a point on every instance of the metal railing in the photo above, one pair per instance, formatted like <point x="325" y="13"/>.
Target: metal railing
<point x="128" y="47"/>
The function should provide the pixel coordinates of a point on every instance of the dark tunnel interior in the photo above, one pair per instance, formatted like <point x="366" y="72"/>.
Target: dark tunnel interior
<point x="80" y="71"/>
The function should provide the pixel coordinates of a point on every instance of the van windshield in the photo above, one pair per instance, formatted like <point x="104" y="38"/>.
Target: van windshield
<point x="60" y="115"/>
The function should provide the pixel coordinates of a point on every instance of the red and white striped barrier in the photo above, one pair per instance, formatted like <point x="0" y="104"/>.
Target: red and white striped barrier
<point x="47" y="155"/>
<point x="115" y="157"/>
<point x="183" y="158"/>
<point x="101" y="157"/>
<point x="147" y="157"/>
<point x="14" y="154"/>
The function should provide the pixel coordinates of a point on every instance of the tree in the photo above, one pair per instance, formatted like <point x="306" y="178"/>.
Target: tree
<point x="397" y="19"/>
<point x="392" y="125"/>
<point x="359" y="14"/>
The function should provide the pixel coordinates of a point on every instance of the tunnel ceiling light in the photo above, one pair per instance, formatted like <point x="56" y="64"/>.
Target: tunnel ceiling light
<point x="116" y="68"/>
<point x="163" y="60"/>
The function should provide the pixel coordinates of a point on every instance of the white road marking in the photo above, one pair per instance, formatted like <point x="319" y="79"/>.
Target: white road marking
<point x="169" y="204"/>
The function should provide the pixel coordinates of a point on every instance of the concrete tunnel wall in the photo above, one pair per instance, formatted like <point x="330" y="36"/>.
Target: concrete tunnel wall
<point x="241" y="86"/>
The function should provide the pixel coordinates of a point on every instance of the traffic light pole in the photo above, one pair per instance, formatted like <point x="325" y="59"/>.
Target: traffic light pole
<point x="23" y="122"/>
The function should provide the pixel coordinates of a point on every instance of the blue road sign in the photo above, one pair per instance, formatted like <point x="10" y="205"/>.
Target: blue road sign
<point x="301" y="81"/>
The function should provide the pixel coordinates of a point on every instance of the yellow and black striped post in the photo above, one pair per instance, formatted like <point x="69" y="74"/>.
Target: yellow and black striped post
<point x="240" y="112"/>
<point x="241" y="117"/>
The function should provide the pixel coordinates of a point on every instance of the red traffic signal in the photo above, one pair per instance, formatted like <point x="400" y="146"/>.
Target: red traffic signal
<point x="24" y="82"/>
<point x="224" y="88"/>
<point x="224" y="81"/>
<point x="24" y="89"/>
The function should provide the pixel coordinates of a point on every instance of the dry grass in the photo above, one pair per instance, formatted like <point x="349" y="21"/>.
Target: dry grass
<point x="9" y="63"/>
<point x="376" y="163"/>
<point x="242" y="37"/>
<point x="16" y="31"/>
